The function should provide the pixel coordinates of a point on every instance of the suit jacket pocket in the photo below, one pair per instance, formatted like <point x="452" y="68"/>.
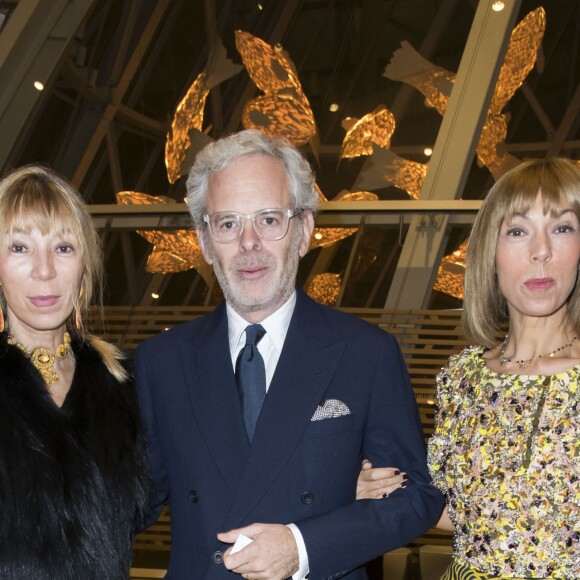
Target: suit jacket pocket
<point x="331" y="426"/>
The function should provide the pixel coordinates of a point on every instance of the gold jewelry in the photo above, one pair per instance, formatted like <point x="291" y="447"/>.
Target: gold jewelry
<point x="78" y="319"/>
<point x="43" y="358"/>
<point x="527" y="362"/>
<point x="77" y="311"/>
<point x="2" y="322"/>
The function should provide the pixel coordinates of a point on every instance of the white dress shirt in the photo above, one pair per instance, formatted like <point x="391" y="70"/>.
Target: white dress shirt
<point x="270" y="347"/>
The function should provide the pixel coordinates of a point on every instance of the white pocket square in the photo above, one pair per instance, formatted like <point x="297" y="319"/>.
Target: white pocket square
<point x="332" y="408"/>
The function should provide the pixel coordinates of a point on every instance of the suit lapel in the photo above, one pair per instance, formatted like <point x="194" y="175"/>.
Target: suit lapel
<point x="306" y="366"/>
<point x="214" y="397"/>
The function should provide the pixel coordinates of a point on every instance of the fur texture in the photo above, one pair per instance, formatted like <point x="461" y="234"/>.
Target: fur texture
<point x="73" y="480"/>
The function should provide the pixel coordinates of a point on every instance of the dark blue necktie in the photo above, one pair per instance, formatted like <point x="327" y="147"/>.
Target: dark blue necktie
<point x="251" y="378"/>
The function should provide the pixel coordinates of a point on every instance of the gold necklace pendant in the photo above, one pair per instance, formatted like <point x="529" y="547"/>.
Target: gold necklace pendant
<point x="43" y="359"/>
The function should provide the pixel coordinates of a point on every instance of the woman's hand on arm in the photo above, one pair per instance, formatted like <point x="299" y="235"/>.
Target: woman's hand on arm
<point x="378" y="483"/>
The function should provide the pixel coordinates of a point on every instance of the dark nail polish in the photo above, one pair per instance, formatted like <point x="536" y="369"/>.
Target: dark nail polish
<point x="405" y="477"/>
<point x="404" y="484"/>
<point x="397" y="472"/>
<point x="385" y="495"/>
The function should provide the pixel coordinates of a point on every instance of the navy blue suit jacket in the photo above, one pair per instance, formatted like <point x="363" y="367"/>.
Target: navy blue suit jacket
<point x="297" y="470"/>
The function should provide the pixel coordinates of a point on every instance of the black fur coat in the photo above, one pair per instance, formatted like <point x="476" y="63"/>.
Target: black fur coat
<point x="73" y="480"/>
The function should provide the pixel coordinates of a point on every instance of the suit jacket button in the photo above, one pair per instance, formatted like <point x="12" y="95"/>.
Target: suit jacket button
<point x="307" y="497"/>
<point x="218" y="557"/>
<point x="193" y="496"/>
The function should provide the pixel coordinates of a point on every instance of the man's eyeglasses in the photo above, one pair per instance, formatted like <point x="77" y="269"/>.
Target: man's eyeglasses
<point x="269" y="224"/>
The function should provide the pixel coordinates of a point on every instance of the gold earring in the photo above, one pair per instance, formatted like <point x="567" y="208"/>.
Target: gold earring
<point x="2" y="323"/>
<point x="78" y="319"/>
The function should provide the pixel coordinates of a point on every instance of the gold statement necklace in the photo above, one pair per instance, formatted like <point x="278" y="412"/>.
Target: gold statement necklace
<point x="43" y="358"/>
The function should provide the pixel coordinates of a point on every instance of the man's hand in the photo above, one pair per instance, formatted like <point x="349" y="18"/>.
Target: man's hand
<point x="273" y="555"/>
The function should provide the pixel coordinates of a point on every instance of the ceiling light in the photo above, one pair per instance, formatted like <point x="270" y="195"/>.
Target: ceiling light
<point x="498" y="6"/>
<point x="428" y="151"/>
<point x="38" y="86"/>
<point x="318" y="235"/>
<point x="260" y="7"/>
<point x="333" y="107"/>
<point x="154" y="295"/>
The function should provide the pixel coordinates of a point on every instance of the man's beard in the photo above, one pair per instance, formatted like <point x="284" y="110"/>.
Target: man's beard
<point x="243" y="300"/>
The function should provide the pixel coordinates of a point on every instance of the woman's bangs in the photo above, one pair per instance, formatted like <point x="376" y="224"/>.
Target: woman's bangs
<point x="554" y="200"/>
<point x="41" y="214"/>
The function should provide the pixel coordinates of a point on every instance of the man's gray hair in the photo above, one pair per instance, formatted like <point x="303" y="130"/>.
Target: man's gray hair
<point x="219" y="154"/>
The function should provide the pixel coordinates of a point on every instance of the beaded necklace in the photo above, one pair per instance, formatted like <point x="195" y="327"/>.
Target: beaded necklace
<point x="522" y="364"/>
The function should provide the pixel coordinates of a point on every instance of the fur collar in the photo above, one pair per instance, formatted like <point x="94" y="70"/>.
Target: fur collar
<point x="73" y="480"/>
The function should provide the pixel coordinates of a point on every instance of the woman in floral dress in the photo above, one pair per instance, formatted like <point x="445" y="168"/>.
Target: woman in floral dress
<point x="506" y="448"/>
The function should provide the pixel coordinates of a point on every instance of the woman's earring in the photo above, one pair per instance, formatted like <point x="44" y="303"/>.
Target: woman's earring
<point x="78" y="319"/>
<point x="2" y="324"/>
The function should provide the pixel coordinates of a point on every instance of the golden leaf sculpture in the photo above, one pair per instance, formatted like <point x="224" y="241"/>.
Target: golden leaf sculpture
<point x="435" y="83"/>
<point x="284" y="110"/>
<point x="491" y="149"/>
<point x="520" y="58"/>
<point x="326" y="237"/>
<point x="280" y="115"/>
<point x="384" y="167"/>
<point x="376" y="127"/>
<point x="173" y="251"/>
<point x="186" y="136"/>
<point x="271" y="70"/>
<point x="325" y="288"/>
<point x="321" y="195"/>
<point x="451" y="273"/>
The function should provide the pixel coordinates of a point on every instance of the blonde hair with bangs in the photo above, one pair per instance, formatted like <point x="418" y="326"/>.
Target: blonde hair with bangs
<point x="557" y="181"/>
<point x="34" y="197"/>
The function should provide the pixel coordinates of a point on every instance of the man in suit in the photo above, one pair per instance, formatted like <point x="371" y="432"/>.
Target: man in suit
<point x="260" y="413"/>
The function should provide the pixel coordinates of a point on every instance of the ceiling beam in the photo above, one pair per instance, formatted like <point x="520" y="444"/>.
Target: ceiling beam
<point x="172" y="216"/>
<point x="410" y="150"/>
<point x="569" y="120"/>
<point x="32" y="45"/>
<point x="118" y="92"/>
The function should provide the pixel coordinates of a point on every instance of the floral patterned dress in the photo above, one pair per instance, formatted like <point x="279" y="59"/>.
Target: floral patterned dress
<point x="506" y="452"/>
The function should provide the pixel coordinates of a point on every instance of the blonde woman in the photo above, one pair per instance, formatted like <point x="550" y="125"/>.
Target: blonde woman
<point x="73" y="481"/>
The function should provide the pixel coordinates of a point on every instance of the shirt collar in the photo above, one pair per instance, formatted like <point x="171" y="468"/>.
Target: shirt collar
<point x="276" y="325"/>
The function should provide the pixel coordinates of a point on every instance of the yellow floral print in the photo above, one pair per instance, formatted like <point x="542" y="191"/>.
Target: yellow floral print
<point x="506" y="452"/>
